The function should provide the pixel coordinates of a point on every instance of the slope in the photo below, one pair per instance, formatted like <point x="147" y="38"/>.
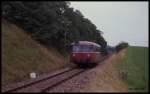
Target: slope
<point x="21" y="55"/>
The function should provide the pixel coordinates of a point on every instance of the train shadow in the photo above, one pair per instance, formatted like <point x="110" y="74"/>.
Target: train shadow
<point x="87" y="65"/>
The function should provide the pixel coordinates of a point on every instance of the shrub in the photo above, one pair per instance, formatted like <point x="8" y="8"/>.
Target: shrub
<point x="121" y="46"/>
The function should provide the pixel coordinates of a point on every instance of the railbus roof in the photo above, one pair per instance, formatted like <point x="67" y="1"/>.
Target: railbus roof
<point x="85" y="43"/>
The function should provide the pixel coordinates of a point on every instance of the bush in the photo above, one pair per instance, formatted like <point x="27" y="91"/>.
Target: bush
<point x="121" y="46"/>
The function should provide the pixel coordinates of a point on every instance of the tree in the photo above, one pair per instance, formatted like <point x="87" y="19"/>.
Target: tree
<point x="52" y="23"/>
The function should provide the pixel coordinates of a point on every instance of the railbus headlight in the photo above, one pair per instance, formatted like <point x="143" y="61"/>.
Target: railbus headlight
<point x="88" y="55"/>
<point x="74" y="55"/>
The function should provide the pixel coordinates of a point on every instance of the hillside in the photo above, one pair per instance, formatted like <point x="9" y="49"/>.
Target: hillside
<point x="22" y="55"/>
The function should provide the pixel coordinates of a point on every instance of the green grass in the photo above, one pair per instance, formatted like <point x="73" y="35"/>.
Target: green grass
<point x="135" y="63"/>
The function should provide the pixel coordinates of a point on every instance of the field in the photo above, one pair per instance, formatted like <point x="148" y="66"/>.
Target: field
<point x="135" y="66"/>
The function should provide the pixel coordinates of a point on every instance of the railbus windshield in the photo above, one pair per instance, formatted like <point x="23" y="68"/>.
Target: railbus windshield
<point x="85" y="48"/>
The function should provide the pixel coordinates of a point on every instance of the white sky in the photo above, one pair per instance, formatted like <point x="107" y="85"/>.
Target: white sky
<point x="120" y="21"/>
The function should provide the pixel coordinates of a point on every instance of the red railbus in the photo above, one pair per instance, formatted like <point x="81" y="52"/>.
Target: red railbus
<point x="85" y="53"/>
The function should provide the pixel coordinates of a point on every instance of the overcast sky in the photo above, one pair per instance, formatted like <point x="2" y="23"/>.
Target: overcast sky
<point x="120" y="21"/>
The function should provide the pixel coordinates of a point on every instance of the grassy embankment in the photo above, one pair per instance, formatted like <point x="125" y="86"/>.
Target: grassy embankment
<point x="22" y="55"/>
<point x="135" y="64"/>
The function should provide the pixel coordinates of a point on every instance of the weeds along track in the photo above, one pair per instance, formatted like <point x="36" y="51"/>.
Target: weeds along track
<point x="46" y="83"/>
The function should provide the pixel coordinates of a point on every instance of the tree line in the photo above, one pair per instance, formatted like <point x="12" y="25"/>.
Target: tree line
<point x="53" y="24"/>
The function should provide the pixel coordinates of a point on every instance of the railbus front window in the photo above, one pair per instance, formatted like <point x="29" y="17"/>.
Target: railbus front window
<point x="76" y="48"/>
<point x="83" y="48"/>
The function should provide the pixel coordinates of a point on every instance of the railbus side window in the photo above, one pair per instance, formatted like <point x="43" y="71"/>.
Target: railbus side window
<point x="96" y="49"/>
<point x="91" y="47"/>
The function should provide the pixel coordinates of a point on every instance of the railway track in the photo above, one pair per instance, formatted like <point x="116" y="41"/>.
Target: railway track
<point x="44" y="84"/>
<point x="47" y="82"/>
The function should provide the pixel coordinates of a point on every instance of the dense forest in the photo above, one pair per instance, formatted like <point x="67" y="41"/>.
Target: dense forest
<point x="53" y="24"/>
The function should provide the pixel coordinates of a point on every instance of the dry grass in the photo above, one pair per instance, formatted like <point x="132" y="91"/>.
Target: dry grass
<point x="22" y="55"/>
<point x="107" y="78"/>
